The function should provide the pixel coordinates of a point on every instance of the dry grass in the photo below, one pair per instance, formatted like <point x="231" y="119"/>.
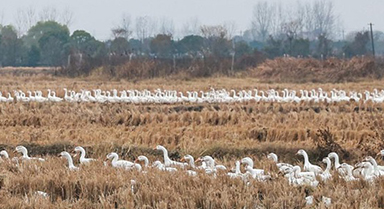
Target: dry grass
<point x="227" y="132"/>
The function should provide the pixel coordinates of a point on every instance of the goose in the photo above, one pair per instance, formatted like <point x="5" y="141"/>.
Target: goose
<point x="281" y="166"/>
<point x="128" y="165"/>
<point x="348" y="176"/>
<point x="325" y="175"/>
<point x="192" y="162"/>
<point x="25" y="156"/>
<point x="157" y="164"/>
<point x="210" y="162"/>
<point x="341" y="170"/>
<point x="83" y="160"/>
<point x="67" y="156"/>
<point x="307" y="165"/>
<point x="376" y="171"/>
<point x="168" y="162"/>
<point x="4" y="153"/>
<point x="143" y="158"/>
<point x="298" y="178"/>
<point x="364" y="170"/>
<point x="237" y="173"/>
<point x="249" y="168"/>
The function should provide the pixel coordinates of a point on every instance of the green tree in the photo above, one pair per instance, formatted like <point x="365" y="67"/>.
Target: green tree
<point x="120" y="46"/>
<point x="33" y="56"/>
<point x="162" y="46"/>
<point x="84" y="42"/>
<point x="54" y="47"/>
<point x="358" y="46"/>
<point x="191" y="44"/>
<point x="11" y="47"/>
<point x="37" y="31"/>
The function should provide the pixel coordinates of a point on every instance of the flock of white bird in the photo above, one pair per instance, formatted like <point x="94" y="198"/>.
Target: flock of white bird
<point x="213" y="96"/>
<point x="309" y="175"/>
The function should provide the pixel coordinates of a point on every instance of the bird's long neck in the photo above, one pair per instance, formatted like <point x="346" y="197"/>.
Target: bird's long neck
<point x="328" y="168"/>
<point x="306" y="161"/>
<point x="337" y="162"/>
<point x="237" y="167"/>
<point x="115" y="158"/>
<point x="82" y="155"/>
<point x="250" y="163"/>
<point x="146" y="162"/>
<point x="165" y="153"/>
<point x="192" y="162"/>
<point x="25" y="153"/>
<point x="70" y="161"/>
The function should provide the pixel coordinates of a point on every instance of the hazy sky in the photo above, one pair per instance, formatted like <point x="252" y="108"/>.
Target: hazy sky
<point x="99" y="16"/>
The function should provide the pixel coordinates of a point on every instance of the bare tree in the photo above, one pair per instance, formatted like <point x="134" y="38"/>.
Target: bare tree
<point x="262" y="20"/>
<point x="231" y="28"/>
<point x="191" y="27"/>
<point x="124" y="29"/>
<point x="324" y="17"/>
<point x="145" y="27"/>
<point x="48" y="14"/>
<point x="1" y="18"/>
<point x="67" y="17"/>
<point x="167" y="26"/>
<point x="25" y="18"/>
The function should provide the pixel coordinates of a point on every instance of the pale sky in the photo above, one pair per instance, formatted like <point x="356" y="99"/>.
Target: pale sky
<point x="99" y="16"/>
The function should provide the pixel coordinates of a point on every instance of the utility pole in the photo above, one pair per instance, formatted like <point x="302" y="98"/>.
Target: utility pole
<point x="373" y="45"/>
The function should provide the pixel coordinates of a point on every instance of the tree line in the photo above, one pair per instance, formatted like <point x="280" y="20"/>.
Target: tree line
<point x="308" y="31"/>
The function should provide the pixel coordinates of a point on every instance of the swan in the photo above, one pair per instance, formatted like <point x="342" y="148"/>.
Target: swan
<point x="325" y="175"/>
<point x="25" y="156"/>
<point x="281" y="166"/>
<point x="364" y="170"/>
<point x="341" y="170"/>
<point x="254" y="173"/>
<point x="307" y="165"/>
<point x="83" y="160"/>
<point x="67" y="156"/>
<point x="168" y="162"/>
<point x="128" y="165"/>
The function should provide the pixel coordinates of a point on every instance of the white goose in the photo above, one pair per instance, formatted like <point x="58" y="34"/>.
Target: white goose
<point x="128" y="165"/>
<point x="237" y="173"/>
<point x="167" y="161"/>
<point x="307" y="165"/>
<point x="281" y="166"/>
<point x="210" y="162"/>
<point x="296" y="177"/>
<point x="325" y="175"/>
<point x="157" y="164"/>
<point x="249" y="164"/>
<point x="83" y="159"/>
<point x="67" y="156"/>
<point x="341" y="170"/>
<point x="4" y="153"/>
<point x="143" y="158"/>
<point x="25" y="156"/>
<point x="376" y="171"/>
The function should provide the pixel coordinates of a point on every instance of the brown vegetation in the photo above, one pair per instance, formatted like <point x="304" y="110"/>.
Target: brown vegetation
<point x="227" y="132"/>
<point x="332" y="70"/>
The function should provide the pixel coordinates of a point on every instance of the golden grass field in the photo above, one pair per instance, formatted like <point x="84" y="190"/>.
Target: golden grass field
<point x="228" y="132"/>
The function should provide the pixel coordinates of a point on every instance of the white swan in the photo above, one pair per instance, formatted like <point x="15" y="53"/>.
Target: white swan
<point x="25" y="156"/>
<point x="210" y="162"/>
<point x="376" y="171"/>
<point x="348" y="176"/>
<point x="67" y="156"/>
<point x="83" y="159"/>
<point x="307" y="165"/>
<point x="249" y="163"/>
<point x="237" y="172"/>
<point x="128" y="165"/>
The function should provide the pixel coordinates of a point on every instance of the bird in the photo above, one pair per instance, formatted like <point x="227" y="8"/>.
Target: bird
<point x="307" y="165"/>
<point x="83" y="159"/>
<point x="67" y="156"/>
<point x="128" y="165"/>
<point x="25" y="156"/>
